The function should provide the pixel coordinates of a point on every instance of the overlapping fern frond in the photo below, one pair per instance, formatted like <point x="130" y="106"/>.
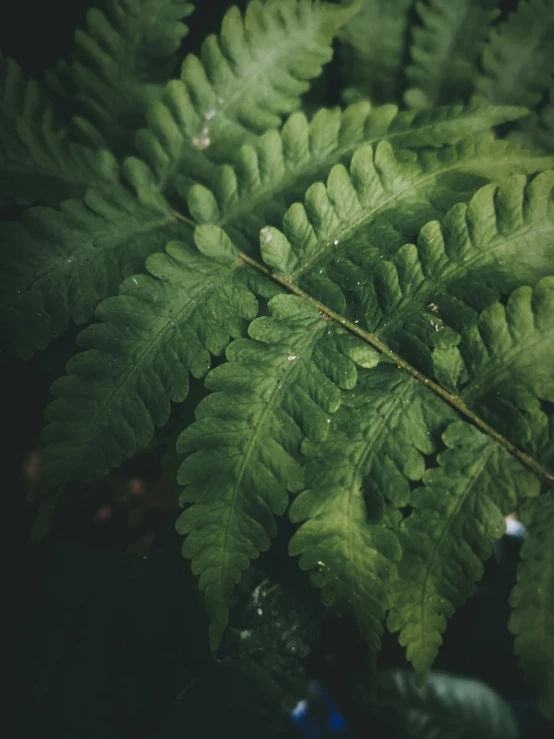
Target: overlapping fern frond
<point x="378" y="287"/>
<point x="38" y="161"/>
<point x="121" y="63"/>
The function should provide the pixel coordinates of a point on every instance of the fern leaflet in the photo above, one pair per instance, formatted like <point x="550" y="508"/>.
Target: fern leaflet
<point x="518" y="61"/>
<point x="58" y="264"/>
<point x="532" y="620"/>
<point x="372" y="50"/>
<point x="38" y="162"/>
<point x="121" y="64"/>
<point x="446" y="50"/>
<point x="242" y="85"/>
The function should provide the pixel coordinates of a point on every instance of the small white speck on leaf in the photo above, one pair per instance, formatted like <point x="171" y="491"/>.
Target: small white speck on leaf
<point x="259" y="611"/>
<point x="202" y="142"/>
<point x="209" y="114"/>
<point x="267" y="235"/>
<point x="135" y="281"/>
<point x="335" y="242"/>
<point x="291" y="357"/>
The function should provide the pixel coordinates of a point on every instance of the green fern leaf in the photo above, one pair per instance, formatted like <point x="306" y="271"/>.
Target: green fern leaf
<point x="37" y="159"/>
<point x="411" y="297"/>
<point x="375" y="445"/>
<point x="409" y="186"/>
<point x="518" y="61"/>
<point x="507" y="356"/>
<point x="532" y="620"/>
<point x="457" y="515"/>
<point x="58" y="264"/>
<point x="372" y="46"/>
<point x="278" y="385"/>
<point x="377" y="183"/>
<point x="255" y="190"/>
<point x="158" y="329"/>
<point x="447" y="707"/>
<point x="242" y="85"/>
<point x="430" y="586"/>
<point x="446" y="50"/>
<point x="396" y="417"/>
<point x="121" y="64"/>
<point x="537" y="131"/>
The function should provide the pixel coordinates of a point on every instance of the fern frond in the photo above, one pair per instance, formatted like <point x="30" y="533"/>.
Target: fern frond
<point x="505" y="360"/>
<point x="58" y="264"/>
<point x="410" y="185"/>
<point x="446" y="50"/>
<point x="532" y="620"/>
<point x="277" y="386"/>
<point x="458" y="513"/>
<point x="375" y="445"/>
<point x="161" y="327"/>
<point x="121" y="64"/>
<point x="264" y="179"/>
<point x="242" y="85"/>
<point x="502" y="237"/>
<point x="518" y="61"/>
<point x="437" y="573"/>
<point x="37" y="159"/>
<point x="537" y="131"/>
<point x="372" y="49"/>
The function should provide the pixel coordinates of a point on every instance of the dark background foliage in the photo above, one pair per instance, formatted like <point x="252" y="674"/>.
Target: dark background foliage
<point x="109" y="636"/>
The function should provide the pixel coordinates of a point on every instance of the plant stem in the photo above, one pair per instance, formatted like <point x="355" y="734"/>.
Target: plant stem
<point x="454" y="400"/>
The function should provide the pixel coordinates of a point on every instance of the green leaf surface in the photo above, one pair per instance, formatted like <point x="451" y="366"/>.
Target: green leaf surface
<point x="57" y="265"/>
<point x="38" y="161"/>
<point x="121" y="63"/>
<point x="152" y="335"/>
<point x="278" y="385"/>
<point x="375" y="447"/>
<point x="243" y="84"/>
<point x="446" y="48"/>
<point x="508" y="358"/>
<point x="418" y="295"/>
<point x="407" y="186"/>
<point x="532" y="620"/>
<point x="518" y="61"/>
<point x="372" y="49"/>
<point x="264" y="179"/>
<point x="458" y="513"/>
